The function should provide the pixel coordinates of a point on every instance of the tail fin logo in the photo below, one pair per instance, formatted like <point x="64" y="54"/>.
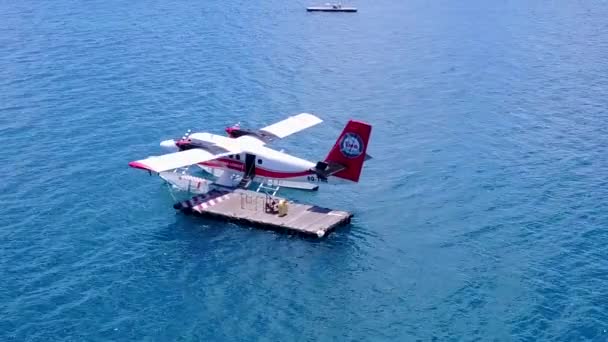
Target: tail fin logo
<point x="351" y="145"/>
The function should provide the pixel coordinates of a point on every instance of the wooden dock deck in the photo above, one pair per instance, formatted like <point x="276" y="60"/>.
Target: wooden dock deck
<point x="248" y="207"/>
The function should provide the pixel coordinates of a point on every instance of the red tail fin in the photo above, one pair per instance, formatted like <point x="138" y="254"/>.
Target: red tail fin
<point x="350" y="150"/>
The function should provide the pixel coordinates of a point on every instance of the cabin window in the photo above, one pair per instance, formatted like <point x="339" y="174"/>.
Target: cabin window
<point x="259" y="161"/>
<point x="238" y="157"/>
<point x="231" y="156"/>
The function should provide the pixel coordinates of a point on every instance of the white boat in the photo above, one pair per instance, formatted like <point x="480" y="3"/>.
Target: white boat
<point x="331" y="8"/>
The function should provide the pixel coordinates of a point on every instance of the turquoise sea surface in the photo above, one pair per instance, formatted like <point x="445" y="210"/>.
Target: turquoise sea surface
<point x="482" y="217"/>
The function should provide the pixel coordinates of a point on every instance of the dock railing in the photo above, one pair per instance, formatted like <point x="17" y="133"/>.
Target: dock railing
<point x="252" y="202"/>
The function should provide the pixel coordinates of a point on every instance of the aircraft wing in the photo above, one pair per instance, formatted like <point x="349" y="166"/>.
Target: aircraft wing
<point x="291" y="125"/>
<point x="176" y="160"/>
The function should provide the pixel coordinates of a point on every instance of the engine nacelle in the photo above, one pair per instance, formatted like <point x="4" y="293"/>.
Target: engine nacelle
<point x="169" y="145"/>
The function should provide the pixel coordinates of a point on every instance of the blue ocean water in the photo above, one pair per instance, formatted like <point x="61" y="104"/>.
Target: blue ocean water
<point x="481" y="217"/>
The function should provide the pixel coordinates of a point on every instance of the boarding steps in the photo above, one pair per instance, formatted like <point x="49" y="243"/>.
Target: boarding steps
<point x="244" y="183"/>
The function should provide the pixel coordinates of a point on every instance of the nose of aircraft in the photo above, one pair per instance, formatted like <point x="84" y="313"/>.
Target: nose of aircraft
<point x="169" y="145"/>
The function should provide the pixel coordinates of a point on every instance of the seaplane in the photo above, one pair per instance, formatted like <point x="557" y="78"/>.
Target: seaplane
<point x="243" y="157"/>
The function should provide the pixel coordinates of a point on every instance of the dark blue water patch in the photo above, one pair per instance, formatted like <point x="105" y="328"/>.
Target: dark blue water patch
<point x="481" y="216"/>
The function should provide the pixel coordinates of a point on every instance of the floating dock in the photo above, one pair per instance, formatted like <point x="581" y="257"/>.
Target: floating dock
<point x="250" y="208"/>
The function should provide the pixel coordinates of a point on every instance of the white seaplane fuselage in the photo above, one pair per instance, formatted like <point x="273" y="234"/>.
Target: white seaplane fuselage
<point x="256" y="161"/>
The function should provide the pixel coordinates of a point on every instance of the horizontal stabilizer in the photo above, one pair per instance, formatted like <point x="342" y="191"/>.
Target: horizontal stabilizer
<point x="324" y="169"/>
